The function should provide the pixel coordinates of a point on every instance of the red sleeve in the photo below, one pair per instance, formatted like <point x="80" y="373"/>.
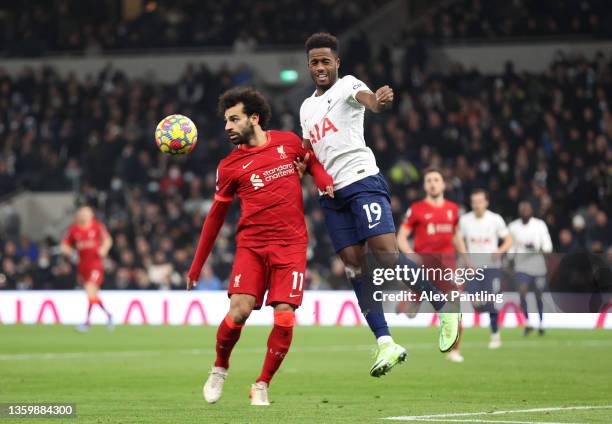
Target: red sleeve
<point x="210" y="230"/>
<point x="456" y="212"/>
<point x="226" y="185"/>
<point x="321" y="178"/>
<point x="410" y="221"/>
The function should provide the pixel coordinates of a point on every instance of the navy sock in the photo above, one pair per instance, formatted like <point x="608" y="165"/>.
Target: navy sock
<point x="493" y="318"/>
<point x="524" y="306"/>
<point x="376" y="320"/>
<point x="540" y="303"/>
<point x="422" y="284"/>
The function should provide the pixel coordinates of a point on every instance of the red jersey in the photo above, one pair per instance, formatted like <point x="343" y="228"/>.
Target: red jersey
<point x="87" y="241"/>
<point x="433" y="226"/>
<point x="265" y="180"/>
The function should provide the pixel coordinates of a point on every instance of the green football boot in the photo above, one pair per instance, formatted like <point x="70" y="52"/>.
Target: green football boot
<point x="450" y="328"/>
<point x="388" y="355"/>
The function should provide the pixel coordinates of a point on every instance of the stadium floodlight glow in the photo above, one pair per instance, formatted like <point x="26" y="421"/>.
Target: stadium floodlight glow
<point x="288" y="75"/>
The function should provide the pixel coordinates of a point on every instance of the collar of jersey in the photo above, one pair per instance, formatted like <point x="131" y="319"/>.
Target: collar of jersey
<point x="254" y="149"/>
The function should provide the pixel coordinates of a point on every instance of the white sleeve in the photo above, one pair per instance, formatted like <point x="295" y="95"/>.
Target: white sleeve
<point x="462" y="224"/>
<point x="502" y="229"/>
<point x="305" y="135"/>
<point x="546" y="242"/>
<point x="352" y="87"/>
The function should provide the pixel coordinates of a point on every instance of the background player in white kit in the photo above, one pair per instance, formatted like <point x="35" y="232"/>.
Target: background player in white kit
<point x="482" y="231"/>
<point x="530" y="240"/>
<point x="332" y="124"/>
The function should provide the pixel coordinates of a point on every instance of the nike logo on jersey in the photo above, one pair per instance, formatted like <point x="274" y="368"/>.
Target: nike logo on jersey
<point x="428" y="215"/>
<point x="246" y="165"/>
<point x="293" y="295"/>
<point x="370" y="226"/>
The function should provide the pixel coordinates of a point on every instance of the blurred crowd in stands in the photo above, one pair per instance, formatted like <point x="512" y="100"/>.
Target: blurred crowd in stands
<point x="461" y="20"/>
<point x="37" y="27"/>
<point x="545" y="138"/>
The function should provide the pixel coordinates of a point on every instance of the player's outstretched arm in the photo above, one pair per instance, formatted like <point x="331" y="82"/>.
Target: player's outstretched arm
<point x="210" y="229"/>
<point x="402" y="240"/>
<point x="376" y="102"/>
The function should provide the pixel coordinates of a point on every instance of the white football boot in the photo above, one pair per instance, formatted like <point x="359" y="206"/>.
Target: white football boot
<point x="495" y="342"/>
<point x="213" y="388"/>
<point x="259" y="394"/>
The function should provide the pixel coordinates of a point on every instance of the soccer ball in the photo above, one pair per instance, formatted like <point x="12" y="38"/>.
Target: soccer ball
<point x="176" y="135"/>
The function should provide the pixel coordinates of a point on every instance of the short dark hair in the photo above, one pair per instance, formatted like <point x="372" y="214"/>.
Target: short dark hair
<point x="431" y="169"/>
<point x="253" y="102"/>
<point x="480" y="190"/>
<point x="322" y="40"/>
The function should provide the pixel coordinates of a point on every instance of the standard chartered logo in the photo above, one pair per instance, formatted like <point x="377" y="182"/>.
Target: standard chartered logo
<point x="256" y="181"/>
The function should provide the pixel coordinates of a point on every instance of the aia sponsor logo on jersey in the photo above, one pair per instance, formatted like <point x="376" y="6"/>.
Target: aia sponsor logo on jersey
<point x="320" y="131"/>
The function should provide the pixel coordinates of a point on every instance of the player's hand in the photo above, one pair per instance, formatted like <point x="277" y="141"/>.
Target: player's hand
<point x="384" y="96"/>
<point x="191" y="283"/>
<point x="330" y="190"/>
<point x="102" y="252"/>
<point x="300" y="164"/>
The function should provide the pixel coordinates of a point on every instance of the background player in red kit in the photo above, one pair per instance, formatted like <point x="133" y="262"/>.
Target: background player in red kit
<point x="92" y="242"/>
<point x="271" y="234"/>
<point x="434" y="223"/>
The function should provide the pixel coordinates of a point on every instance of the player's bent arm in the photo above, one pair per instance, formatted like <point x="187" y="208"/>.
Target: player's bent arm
<point x="210" y="229"/>
<point x="402" y="240"/>
<point x="506" y="245"/>
<point x="459" y="243"/>
<point x="376" y="102"/>
<point x="107" y="243"/>
<point x="547" y="246"/>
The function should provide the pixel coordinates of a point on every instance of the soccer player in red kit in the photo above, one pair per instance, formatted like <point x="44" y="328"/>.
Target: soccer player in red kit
<point x="271" y="234"/>
<point x="434" y="223"/>
<point x="92" y="242"/>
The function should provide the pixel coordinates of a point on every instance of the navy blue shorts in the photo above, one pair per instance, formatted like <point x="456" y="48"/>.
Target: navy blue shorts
<point x="532" y="281"/>
<point x="358" y="211"/>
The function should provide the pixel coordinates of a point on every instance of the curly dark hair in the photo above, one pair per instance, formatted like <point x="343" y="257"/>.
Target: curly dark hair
<point x="253" y="102"/>
<point x="322" y="40"/>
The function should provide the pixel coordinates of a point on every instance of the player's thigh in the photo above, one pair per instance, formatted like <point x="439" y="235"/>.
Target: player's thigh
<point x="340" y="223"/>
<point x="373" y="217"/>
<point x="93" y="277"/>
<point x="287" y="274"/>
<point x="248" y="275"/>
<point x="524" y="281"/>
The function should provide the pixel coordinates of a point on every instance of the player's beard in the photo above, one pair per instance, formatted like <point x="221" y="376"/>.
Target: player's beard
<point x="245" y="136"/>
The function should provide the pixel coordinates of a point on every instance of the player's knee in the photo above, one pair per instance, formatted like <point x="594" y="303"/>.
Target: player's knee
<point x="352" y="272"/>
<point x="284" y="317"/>
<point x="240" y="311"/>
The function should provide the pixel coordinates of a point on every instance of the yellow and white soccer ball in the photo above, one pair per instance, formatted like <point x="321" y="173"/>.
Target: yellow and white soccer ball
<point x="176" y="135"/>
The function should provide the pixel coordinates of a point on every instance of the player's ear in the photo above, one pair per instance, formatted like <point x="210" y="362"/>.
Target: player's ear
<point x="254" y="118"/>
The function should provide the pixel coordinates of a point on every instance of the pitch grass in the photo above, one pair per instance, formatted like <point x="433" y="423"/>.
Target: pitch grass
<point x="155" y="375"/>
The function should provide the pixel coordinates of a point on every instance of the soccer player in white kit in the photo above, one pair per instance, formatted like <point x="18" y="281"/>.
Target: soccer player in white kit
<point x="482" y="231"/>
<point x="530" y="240"/>
<point x="360" y="212"/>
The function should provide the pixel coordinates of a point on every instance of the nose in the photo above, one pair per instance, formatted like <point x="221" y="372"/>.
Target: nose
<point x="228" y="126"/>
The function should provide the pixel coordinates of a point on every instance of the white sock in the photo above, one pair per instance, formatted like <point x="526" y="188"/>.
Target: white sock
<point x="384" y="339"/>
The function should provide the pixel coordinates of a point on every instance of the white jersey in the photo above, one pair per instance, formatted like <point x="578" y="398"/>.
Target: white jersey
<point x="529" y="242"/>
<point x="482" y="236"/>
<point x="333" y="122"/>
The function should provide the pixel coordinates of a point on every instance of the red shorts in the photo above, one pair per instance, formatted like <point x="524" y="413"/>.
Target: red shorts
<point x="93" y="275"/>
<point x="279" y="269"/>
